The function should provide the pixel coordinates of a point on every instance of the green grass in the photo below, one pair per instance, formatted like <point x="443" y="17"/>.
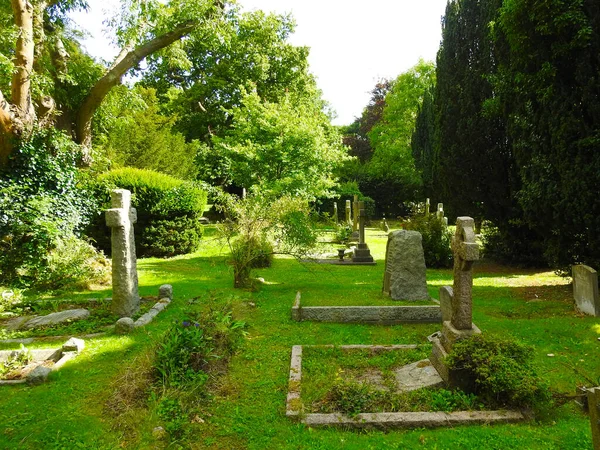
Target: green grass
<point x="247" y="409"/>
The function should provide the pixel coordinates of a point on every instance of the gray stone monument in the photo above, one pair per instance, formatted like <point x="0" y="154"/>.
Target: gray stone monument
<point x="440" y="211"/>
<point x="585" y="289"/>
<point x="427" y="207"/>
<point x="355" y="213"/>
<point x="348" y="213"/>
<point x="404" y="277"/>
<point x="362" y="252"/>
<point x="457" y="302"/>
<point x="125" y="297"/>
<point x="335" y="212"/>
<point x="593" y="397"/>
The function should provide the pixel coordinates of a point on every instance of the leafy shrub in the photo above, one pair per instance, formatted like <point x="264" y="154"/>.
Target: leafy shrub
<point x="256" y="222"/>
<point x="343" y="232"/>
<point x="502" y="370"/>
<point x="16" y="360"/>
<point x="44" y="207"/>
<point x="436" y="239"/>
<point x="168" y="210"/>
<point x="178" y="236"/>
<point x="186" y="351"/>
<point x="515" y="243"/>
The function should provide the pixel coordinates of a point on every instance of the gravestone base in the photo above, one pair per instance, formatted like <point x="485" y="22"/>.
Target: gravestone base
<point x="362" y="254"/>
<point x="451" y="335"/>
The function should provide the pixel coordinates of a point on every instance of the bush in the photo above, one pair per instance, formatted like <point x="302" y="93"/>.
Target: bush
<point x="502" y="370"/>
<point x="436" y="239"/>
<point x="341" y="193"/>
<point x="168" y="210"/>
<point x="43" y="208"/>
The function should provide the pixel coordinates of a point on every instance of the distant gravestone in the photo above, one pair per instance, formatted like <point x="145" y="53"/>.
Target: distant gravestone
<point x="335" y="212"/>
<point x="585" y="290"/>
<point x="440" y="211"/>
<point x="120" y="219"/>
<point x="355" y="212"/>
<point x="362" y="252"/>
<point x="427" y="207"/>
<point x="348" y="212"/>
<point x="404" y="277"/>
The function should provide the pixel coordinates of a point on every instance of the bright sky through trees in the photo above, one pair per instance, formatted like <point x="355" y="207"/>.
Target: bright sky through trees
<point x="353" y="43"/>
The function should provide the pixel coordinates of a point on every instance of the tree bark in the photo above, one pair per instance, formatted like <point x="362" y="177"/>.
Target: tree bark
<point x="83" y="126"/>
<point x="21" y="80"/>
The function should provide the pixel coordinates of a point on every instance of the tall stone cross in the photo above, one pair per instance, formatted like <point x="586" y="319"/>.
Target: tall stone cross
<point x="466" y="251"/>
<point x="348" y="212"/>
<point x="355" y="212"/>
<point x="120" y="218"/>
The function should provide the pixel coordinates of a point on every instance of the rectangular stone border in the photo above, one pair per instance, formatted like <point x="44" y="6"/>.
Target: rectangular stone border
<point x="59" y="355"/>
<point x="383" y="315"/>
<point x="383" y="420"/>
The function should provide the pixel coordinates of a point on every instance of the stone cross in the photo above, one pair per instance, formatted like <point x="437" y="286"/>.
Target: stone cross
<point x="335" y="212"/>
<point x="440" y="211"/>
<point x="465" y="251"/>
<point x="355" y="208"/>
<point x="361" y="217"/>
<point x="426" y="207"/>
<point x="348" y="212"/>
<point x="125" y="298"/>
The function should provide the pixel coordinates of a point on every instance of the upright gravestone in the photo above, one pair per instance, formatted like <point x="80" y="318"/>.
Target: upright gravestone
<point x="362" y="253"/>
<point x="585" y="289"/>
<point x="457" y="303"/>
<point x="335" y="212"/>
<point x="427" y="207"/>
<point x="404" y="277"/>
<point x="348" y="213"/>
<point x="593" y="397"/>
<point x="440" y="211"/>
<point x="355" y="213"/>
<point x="125" y="298"/>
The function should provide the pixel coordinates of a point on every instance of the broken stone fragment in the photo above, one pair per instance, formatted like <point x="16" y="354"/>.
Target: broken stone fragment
<point x="73" y="345"/>
<point x="38" y="375"/>
<point x="124" y="325"/>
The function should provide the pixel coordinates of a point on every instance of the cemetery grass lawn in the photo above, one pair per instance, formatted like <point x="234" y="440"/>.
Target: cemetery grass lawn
<point x="246" y="408"/>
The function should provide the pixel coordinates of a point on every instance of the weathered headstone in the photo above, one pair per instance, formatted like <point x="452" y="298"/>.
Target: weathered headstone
<point x="355" y="212"/>
<point x="585" y="289"/>
<point x="427" y="207"/>
<point x="440" y="211"/>
<point x="405" y="272"/>
<point x="593" y="396"/>
<point x="348" y="212"/>
<point x="335" y="212"/>
<point x="125" y="298"/>
<point x="458" y="317"/>
<point x="362" y="252"/>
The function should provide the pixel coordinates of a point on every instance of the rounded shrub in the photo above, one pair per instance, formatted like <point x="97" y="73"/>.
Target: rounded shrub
<point x="436" y="239"/>
<point x="168" y="211"/>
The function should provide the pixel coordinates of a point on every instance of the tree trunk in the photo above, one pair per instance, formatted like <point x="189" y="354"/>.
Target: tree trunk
<point x="83" y="125"/>
<point x="21" y="80"/>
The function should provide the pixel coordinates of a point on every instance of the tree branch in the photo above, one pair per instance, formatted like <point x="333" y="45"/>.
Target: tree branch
<point x="123" y="63"/>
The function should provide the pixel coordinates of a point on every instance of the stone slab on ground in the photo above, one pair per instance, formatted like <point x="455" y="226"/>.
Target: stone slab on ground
<point x="337" y="262"/>
<point x="69" y="315"/>
<point x="417" y="375"/>
<point x="436" y="419"/>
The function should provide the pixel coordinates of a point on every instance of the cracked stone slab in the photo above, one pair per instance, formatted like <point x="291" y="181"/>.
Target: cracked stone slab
<point x="417" y="375"/>
<point x="57" y="317"/>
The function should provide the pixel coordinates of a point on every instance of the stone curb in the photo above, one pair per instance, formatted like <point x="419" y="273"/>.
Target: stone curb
<point x="382" y="420"/>
<point x="60" y="356"/>
<point x="384" y="315"/>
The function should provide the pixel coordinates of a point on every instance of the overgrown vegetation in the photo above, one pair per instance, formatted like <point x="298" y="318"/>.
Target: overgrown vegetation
<point x="502" y="370"/>
<point x="436" y="239"/>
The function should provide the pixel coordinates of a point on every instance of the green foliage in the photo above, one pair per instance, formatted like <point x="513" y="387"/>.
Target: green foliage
<point x="43" y="208"/>
<point x="257" y="225"/>
<point x="282" y="148"/>
<point x="436" y="239"/>
<point x="342" y="192"/>
<point x="343" y="232"/>
<point x="186" y="351"/>
<point x="168" y="210"/>
<point x="515" y="243"/>
<point x="502" y="370"/>
<point x="16" y="360"/>
<point x="134" y="133"/>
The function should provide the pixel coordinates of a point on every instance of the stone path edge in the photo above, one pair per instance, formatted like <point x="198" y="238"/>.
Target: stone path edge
<point x="388" y="315"/>
<point x="383" y="420"/>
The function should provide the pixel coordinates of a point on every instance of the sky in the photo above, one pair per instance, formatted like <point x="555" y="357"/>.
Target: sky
<point x="353" y="43"/>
